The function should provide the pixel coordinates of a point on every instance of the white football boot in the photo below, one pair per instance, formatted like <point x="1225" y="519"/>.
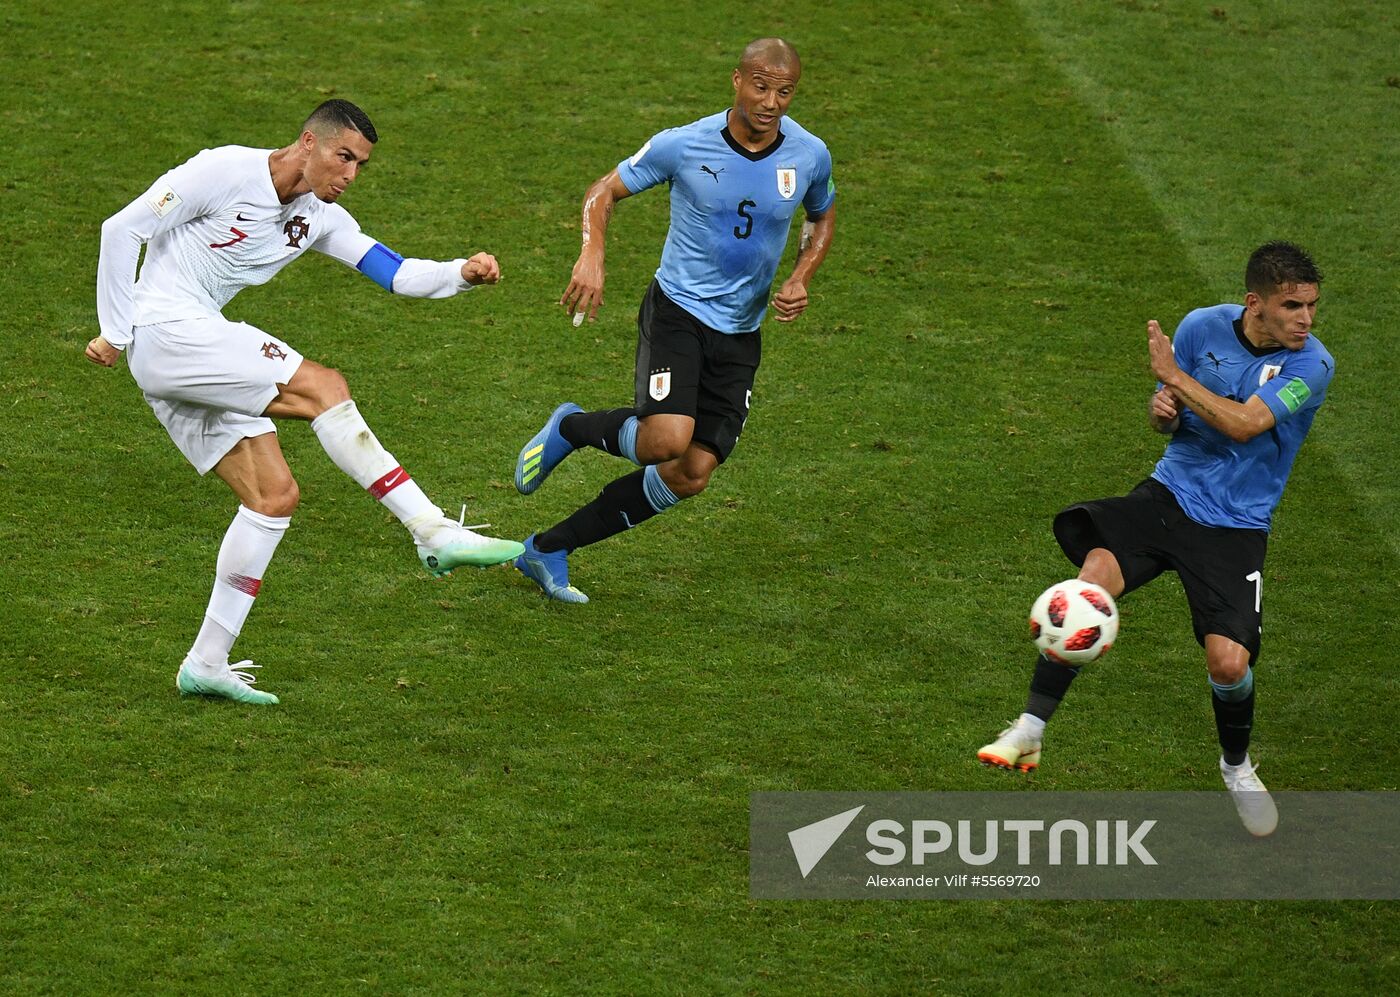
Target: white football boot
<point x="195" y="678"/>
<point x="1252" y="800"/>
<point x="1017" y="747"/>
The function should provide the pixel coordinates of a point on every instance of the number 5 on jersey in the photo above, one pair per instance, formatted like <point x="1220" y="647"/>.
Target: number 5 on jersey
<point x="748" y="219"/>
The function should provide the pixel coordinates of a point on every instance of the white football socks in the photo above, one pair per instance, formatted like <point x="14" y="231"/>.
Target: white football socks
<point x="244" y="555"/>
<point x="348" y="441"/>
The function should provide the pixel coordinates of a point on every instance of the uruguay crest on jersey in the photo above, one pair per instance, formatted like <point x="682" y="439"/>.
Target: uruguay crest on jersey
<point x="787" y="181"/>
<point x="659" y="384"/>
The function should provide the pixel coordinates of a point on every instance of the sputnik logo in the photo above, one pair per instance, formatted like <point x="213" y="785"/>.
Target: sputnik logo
<point x="811" y="843"/>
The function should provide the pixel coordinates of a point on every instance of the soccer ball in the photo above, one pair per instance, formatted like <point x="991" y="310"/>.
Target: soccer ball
<point x="1074" y="622"/>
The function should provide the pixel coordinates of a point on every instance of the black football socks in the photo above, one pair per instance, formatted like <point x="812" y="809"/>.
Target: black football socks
<point x="621" y="505"/>
<point x="1234" y="716"/>
<point x="1049" y="683"/>
<point x="606" y="430"/>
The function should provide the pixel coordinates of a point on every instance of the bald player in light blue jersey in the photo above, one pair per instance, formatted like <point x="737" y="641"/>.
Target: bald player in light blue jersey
<point x="731" y="211"/>
<point x="736" y="180"/>
<point x="1238" y="389"/>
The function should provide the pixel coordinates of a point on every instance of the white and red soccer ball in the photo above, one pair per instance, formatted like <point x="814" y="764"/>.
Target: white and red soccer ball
<point x="1074" y="622"/>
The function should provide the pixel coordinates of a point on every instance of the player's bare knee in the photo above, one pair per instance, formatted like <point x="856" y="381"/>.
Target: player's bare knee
<point x="331" y="388"/>
<point x="1227" y="660"/>
<point x="1101" y="567"/>
<point x="688" y="484"/>
<point x="315" y="389"/>
<point x="1227" y="670"/>
<point x="279" y="498"/>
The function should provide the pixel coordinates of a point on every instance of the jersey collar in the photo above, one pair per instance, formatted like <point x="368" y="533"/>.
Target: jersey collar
<point x="1258" y="351"/>
<point x="752" y="156"/>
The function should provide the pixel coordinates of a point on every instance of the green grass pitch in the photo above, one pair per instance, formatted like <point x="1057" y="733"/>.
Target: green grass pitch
<point x="467" y="788"/>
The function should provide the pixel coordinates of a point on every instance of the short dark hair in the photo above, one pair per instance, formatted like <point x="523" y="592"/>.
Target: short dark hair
<point x="336" y="115"/>
<point x="1279" y="264"/>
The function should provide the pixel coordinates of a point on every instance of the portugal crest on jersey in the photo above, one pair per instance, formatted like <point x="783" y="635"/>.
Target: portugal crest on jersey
<point x="787" y="181"/>
<point x="296" y="230"/>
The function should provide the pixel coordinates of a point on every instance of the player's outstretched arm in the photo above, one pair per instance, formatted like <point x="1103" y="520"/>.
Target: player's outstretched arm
<point x="584" y="295"/>
<point x="341" y="239"/>
<point x="1241" y="421"/>
<point x="817" y="233"/>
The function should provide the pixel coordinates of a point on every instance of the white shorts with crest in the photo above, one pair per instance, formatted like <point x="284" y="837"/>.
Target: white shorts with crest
<point x="209" y="380"/>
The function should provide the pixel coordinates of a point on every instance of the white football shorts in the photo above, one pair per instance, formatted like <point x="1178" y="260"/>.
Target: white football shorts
<point x="209" y="380"/>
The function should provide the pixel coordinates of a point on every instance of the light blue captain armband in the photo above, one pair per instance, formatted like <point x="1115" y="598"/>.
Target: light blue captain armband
<point x="380" y="264"/>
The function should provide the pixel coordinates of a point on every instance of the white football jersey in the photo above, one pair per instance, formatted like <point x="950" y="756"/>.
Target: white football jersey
<point x="212" y="226"/>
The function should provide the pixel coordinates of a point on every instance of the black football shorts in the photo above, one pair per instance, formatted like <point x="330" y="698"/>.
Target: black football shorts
<point x="1221" y="569"/>
<point x="686" y="368"/>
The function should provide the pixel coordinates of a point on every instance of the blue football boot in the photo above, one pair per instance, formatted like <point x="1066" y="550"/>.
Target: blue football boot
<point x="549" y="571"/>
<point x="544" y="451"/>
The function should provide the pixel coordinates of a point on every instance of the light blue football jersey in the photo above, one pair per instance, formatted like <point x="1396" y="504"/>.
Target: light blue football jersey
<point x="1220" y="482"/>
<point x="731" y="210"/>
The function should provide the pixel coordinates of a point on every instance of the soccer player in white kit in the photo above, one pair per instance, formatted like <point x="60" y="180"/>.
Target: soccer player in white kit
<point x="228" y="219"/>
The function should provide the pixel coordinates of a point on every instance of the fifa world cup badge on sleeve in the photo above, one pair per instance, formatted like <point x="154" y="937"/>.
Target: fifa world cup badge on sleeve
<point x="165" y="201"/>
<point x="1295" y="393"/>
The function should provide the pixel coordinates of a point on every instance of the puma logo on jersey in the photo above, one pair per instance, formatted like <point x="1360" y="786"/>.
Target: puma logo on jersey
<point x="296" y="230"/>
<point x="706" y="169"/>
<point x="1212" y="356"/>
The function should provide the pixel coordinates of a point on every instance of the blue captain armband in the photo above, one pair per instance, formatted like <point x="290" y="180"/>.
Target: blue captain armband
<point x="380" y="264"/>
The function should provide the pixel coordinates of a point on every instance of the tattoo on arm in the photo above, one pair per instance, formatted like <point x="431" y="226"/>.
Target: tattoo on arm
<point x="1202" y="402"/>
